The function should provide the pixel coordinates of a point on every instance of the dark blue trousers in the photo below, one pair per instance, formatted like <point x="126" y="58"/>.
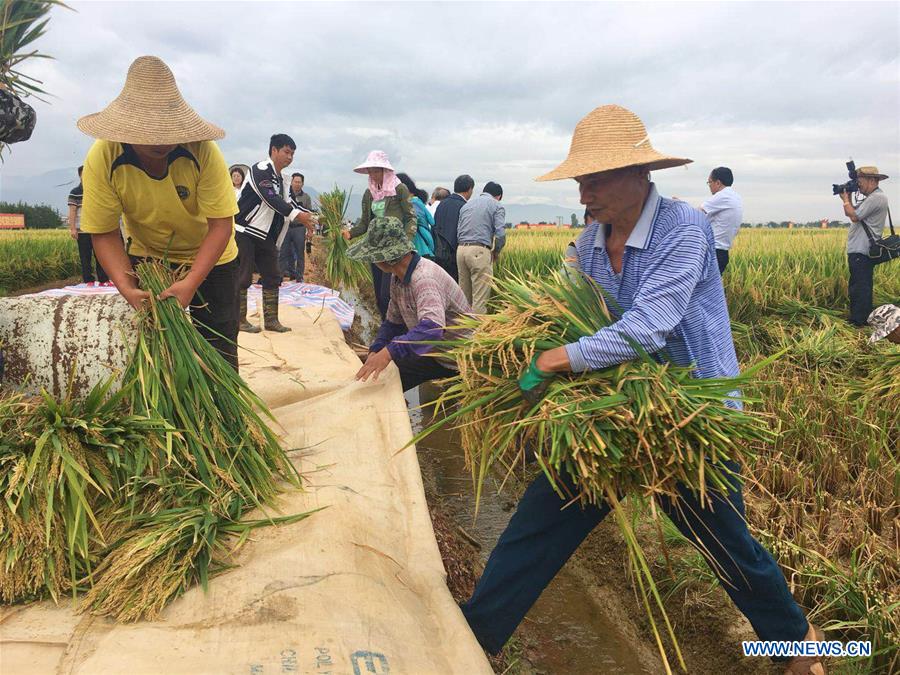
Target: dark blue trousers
<point x="542" y="535"/>
<point x="860" y="287"/>
<point x="292" y="257"/>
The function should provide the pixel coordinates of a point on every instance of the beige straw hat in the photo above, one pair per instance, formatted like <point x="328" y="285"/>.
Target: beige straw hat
<point x="149" y="111"/>
<point x="610" y="137"/>
<point x="870" y="172"/>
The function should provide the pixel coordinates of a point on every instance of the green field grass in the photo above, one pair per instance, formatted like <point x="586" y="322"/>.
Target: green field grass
<point x="33" y="257"/>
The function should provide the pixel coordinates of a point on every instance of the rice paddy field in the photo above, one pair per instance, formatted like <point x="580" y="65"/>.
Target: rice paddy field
<point x="32" y="257"/>
<point x="824" y="495"/>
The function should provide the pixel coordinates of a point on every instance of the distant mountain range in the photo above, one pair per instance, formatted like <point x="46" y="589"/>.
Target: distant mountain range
<point x="53" y="188"/>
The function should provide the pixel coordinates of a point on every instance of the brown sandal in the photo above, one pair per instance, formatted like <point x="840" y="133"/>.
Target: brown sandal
<point x="802" y="665"/>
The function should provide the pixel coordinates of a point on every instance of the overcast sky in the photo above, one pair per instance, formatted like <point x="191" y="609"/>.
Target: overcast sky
<point x="783" y="93"/>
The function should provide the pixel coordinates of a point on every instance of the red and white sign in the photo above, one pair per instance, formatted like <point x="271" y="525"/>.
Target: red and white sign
<point x="12" y="221"/>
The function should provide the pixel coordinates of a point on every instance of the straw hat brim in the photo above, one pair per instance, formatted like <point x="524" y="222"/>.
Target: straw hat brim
<point x="879" y="176"/>
<point x="125" y="124"/>
<point x="584" y="164"/>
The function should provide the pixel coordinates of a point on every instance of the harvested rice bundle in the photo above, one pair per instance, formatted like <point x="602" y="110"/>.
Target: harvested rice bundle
<point x="340" y="270"/>
<point x="221" y="460"/>
<point x="637" y="429"/>
<point x="140" y="493"/>
<point x="221" y="437"/>
<point x="184" y="541"/>
<point x="33" y="560"/>
<point x="60" y="463"/>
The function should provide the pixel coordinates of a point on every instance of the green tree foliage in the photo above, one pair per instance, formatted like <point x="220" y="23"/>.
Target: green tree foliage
<point x="40" y="217"/>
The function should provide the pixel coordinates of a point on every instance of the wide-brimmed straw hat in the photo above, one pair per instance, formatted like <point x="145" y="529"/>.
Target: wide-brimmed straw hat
<point x="610" y="137"/>
<point x="243" y="168"/>
<point x="377" y="159"/>
<point x="870" y="172"/>
<point x="386" y="239"/>
<point x="885" y="320"/>
<point x="149" y="111"/>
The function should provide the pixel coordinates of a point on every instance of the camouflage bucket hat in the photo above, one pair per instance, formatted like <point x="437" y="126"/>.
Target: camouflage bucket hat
<point x="385" y="240"/>
<point x="885" y="320"/>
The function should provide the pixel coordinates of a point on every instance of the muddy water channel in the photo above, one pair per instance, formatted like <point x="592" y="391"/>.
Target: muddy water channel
<point x="576" y="635"/>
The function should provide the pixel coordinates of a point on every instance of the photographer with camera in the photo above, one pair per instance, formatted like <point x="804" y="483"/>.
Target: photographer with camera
<point x="869" y="213"/>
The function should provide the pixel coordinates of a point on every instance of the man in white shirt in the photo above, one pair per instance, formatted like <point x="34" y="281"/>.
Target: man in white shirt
<point x="725" y="210"/>
<point x="439" y="194"/>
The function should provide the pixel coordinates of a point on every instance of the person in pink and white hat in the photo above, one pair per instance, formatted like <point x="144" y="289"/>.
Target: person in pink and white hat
<point x="384" y="197"/>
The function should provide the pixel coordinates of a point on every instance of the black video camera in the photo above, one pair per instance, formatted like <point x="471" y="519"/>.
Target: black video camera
<point x="851" y="185"/>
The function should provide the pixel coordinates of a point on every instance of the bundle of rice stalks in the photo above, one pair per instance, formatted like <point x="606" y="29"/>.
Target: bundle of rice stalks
<point x="60" y="462"/>
<point x="168" y="550"/>
<point x="637" y="429"/>
<point x="221" y="438"/>
<point x="340" y="271"/>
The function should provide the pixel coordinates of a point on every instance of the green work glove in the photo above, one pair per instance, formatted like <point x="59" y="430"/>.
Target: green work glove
<point x="533" y="382"/>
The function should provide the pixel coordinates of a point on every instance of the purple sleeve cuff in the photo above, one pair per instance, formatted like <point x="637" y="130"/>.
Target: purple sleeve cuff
<point x="410" y="344"/>
<point x="386" y="332"/>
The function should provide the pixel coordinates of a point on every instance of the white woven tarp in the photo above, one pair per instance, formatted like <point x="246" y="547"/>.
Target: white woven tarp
<point x="293" y="294"/>
<point x="356" y="589"/>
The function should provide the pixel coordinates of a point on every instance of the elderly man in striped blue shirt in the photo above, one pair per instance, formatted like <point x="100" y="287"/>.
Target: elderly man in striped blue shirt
<point x="656" y="257"/>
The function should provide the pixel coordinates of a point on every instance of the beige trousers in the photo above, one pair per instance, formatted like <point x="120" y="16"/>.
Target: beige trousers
<point x="476" y="270"/>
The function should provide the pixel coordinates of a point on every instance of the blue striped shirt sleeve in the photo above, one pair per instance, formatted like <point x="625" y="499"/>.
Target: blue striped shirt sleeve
<point x="666" y="285"/>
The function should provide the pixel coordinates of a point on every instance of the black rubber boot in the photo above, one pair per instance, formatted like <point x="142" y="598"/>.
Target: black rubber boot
<point x="270" y="312"/>
<point x="245" y="325"/>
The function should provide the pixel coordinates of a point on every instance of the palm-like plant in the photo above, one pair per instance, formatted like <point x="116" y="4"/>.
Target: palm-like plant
<point x="21" y="23"/>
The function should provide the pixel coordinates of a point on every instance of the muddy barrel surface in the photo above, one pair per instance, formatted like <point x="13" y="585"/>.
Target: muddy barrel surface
<point x="47" y="340"/>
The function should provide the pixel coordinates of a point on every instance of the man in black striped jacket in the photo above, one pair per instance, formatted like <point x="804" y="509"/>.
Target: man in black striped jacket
<point x="260" y="228"/>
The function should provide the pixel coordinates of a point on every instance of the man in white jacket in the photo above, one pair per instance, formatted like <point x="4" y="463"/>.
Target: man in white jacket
<point x="260" y="227"/>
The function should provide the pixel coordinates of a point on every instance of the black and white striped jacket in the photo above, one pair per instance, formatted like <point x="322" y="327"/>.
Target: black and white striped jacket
<point x="262" y="207"/>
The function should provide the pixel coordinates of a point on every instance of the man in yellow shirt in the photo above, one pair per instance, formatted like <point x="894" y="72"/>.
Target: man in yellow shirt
<point x="156" y="166"/>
